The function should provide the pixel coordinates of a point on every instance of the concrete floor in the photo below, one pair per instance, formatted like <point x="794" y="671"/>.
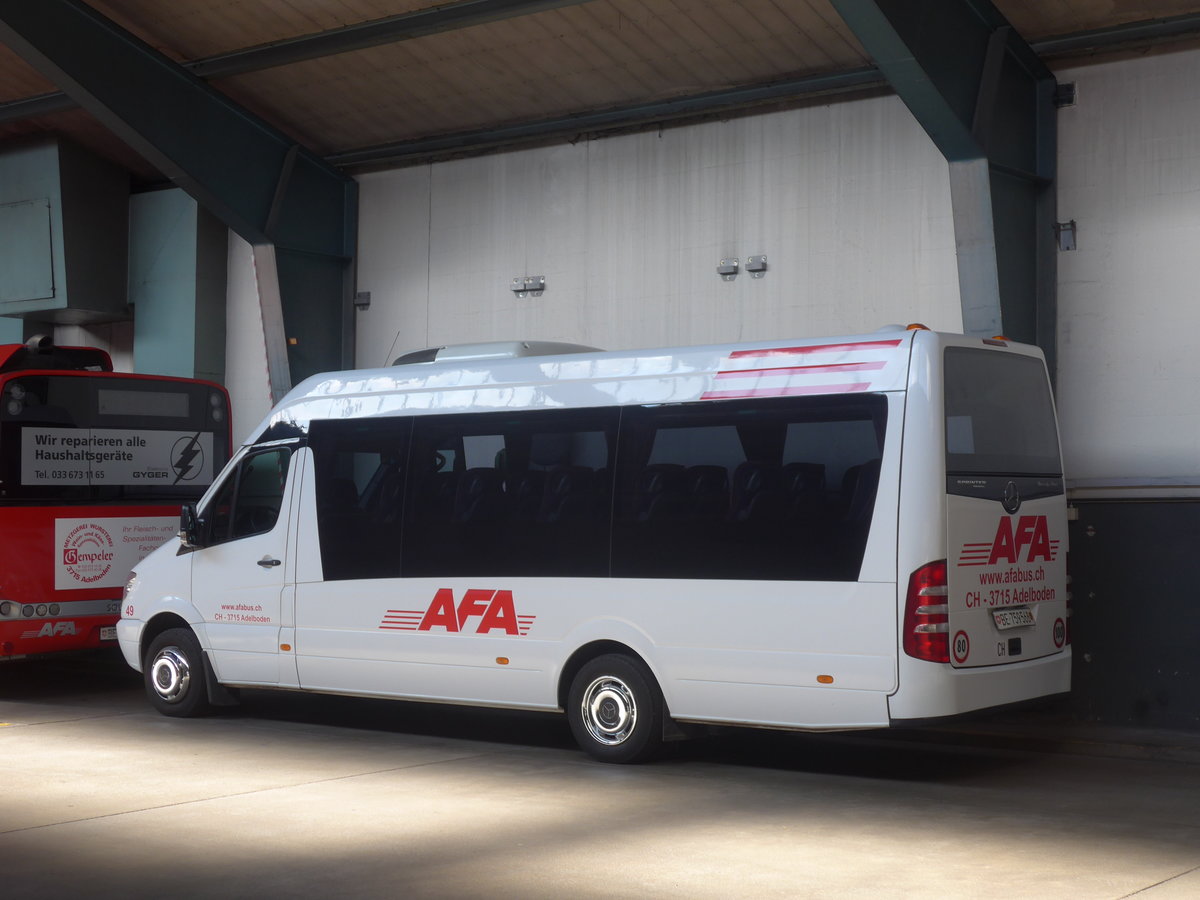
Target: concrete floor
<point x="294" y="796"/>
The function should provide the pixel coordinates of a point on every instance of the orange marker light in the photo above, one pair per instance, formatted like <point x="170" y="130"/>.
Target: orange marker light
<point x="825" y="679"/>
<point x="916" y="326"/>
<point x="285" y="647"/>
<point x="502" y="660"/>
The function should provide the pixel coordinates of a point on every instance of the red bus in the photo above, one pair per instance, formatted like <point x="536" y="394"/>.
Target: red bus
<point x="94" y="466"/>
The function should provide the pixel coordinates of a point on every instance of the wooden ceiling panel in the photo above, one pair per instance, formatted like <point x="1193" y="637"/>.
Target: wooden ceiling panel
<point x="1036" y="19"/>
<point x="602" y="54"/>
<point x="195" y="29"/>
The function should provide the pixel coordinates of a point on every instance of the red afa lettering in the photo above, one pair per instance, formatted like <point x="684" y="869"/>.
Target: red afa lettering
<point x="494" y="610"/>
<point x="1031" y="531"/>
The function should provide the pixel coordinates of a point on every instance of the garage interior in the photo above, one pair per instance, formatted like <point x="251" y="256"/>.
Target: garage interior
<point x="258" y="191"/>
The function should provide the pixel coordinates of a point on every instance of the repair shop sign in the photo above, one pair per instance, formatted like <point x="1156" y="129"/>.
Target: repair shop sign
<point x="115" y="456"/>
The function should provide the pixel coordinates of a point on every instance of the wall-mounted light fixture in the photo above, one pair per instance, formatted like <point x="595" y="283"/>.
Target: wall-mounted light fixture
<point x="528" y="285"/>
<point x="756" y="265"/>
<point x="1064" y="233"/>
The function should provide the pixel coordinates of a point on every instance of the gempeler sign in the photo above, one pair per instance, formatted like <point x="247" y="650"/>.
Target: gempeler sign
<point x="100" y="552"/>
<point x="114" y="456"/>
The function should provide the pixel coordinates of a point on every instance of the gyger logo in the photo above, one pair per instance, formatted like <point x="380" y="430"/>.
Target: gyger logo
<point x="187" y="459"/>
<point x="87" y="553"/>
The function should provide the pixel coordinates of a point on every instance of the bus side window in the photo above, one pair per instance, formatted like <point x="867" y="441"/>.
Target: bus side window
<point x="360" y="470"/>
<point x="528" y="495"/>
<point x="779" y="489"/>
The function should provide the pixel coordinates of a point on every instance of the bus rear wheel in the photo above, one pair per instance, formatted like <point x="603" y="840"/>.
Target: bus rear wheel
<point x="174" y="674"/>
<point x="616" y="709"/>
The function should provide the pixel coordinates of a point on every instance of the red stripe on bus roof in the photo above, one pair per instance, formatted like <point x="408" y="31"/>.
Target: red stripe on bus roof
<point x="806" y="370"/>
<point x="819" y="348"/>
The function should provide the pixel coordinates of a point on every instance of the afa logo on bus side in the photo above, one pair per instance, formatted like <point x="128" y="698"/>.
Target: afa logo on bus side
<point x="478" y="612"/>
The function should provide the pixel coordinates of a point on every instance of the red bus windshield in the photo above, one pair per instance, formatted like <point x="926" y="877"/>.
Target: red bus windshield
<point x="86" y="437"/>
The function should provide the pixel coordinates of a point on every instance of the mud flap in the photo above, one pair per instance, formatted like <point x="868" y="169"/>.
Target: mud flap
<point x="218" y="694"/>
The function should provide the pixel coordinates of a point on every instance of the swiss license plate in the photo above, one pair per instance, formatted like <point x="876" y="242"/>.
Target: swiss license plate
<point x="1012" y="618"/>
<point x="108" y="632"/>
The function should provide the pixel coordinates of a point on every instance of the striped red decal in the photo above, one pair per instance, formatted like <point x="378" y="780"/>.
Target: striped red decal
<point x="820" y="348"/>
<point x="787" y="391"/>
<point x="806" y="370"/>
<point x="402" y="619"/>
<point x="975" y="554"/>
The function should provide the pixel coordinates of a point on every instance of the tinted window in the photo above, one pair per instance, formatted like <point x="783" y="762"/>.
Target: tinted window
<point x="360" y="467"/>
<point x="999" y="415"/>
<point x="503" y="494"/>
<point x="249" y="500"/>
<point x="780" y="489"/>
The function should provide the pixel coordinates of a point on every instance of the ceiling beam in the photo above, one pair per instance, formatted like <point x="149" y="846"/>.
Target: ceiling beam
<point x="403" y="27"/>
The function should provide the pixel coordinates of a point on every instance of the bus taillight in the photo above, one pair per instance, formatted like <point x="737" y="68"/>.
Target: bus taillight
<point x="927" y="614"/>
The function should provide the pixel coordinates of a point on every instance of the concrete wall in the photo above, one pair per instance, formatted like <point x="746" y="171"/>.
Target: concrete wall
<point x="1129" y="316"/>
<point x="850" y="203"/>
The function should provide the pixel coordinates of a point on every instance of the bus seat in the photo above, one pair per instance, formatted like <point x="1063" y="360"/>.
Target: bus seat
<point x="568" y="496"/>
<point x="660" y="492"/>
<point x="478" y="497"/>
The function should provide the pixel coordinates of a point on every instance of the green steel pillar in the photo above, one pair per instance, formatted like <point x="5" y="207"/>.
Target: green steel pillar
<point x="987" y="102"/>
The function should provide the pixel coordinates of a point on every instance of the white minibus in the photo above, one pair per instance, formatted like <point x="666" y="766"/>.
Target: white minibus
<point x="816" y="534"/>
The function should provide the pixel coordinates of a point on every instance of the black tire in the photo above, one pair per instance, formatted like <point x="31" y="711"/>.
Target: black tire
<point x="174" y="674"/>
<point x="616" y="710"/>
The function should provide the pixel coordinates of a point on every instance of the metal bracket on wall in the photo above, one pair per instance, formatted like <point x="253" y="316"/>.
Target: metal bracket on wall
<point x="1064" y="233"/>
<point x="756" y="265"/>
<point x="362" y="300"/>
<point x="728" y="269"/>
<point x="529" y="285"/>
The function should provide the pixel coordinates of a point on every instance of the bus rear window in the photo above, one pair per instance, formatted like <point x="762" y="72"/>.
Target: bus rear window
<point x="999" y="415"/>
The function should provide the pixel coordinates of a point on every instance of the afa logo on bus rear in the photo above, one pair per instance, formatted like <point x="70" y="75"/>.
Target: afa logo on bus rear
<point x="1026" y="541"/>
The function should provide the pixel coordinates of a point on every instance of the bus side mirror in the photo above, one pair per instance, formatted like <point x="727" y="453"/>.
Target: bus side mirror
<point x="189" y="526"/>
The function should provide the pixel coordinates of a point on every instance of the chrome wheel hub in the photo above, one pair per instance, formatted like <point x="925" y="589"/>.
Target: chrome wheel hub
<point x="609" y="710"/>
<point x="170" y="674"/>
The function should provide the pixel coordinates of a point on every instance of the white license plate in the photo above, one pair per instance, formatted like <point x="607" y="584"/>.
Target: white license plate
<point x="1013" y="618"/>
<point x="108" y="632"/>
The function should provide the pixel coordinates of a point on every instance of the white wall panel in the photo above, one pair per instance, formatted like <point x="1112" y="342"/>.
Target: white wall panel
<point x="850" y="203"/>
<point x="1129" y="366"/>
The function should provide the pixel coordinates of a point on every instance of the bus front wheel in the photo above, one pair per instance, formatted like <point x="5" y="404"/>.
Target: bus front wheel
<point x="174" y="674"/>
<point x="615" y="709"/>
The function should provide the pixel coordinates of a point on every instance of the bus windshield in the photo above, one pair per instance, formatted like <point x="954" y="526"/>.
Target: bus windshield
<point x="86" y="437"/>
<point x="999" y="415"/>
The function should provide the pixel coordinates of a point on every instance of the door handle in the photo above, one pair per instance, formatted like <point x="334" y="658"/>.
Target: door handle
<point x="267" y="563"/>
